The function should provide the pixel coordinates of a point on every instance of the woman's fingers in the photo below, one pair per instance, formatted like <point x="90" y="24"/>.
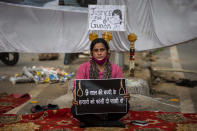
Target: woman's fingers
<point x="75" y="102"/>
<point x="127" y="96"/>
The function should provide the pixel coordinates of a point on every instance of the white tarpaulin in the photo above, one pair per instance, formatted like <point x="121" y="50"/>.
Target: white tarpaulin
<point x="157" y="23"/>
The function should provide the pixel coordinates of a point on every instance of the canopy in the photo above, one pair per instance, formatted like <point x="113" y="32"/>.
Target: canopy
<point x="64" y="29"/>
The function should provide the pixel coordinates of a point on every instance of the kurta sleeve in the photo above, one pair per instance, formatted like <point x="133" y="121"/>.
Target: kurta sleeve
<point x="82" y="72"/>
<point x="116" y="71"/>
<point x="119" y="73"/>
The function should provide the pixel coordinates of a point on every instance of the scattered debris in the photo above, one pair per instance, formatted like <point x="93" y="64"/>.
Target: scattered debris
<point x="48" y="56"/>
<point x="41" y="75"/>
<point x="39" y="108"/>
<point x="3" y="77"/>
<point x="137" y="86"/>
<point x="20" y="79"/>
<point x="152" y="58"/>
<point x="159" y="74"/>
<point x="33" y="102"/>
<point x="175" y="100"/>
<point x="173" y="70"/>
<point x="186" y="82"/>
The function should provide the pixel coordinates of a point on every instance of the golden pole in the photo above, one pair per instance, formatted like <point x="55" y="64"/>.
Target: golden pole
<point x="132" y="38"/>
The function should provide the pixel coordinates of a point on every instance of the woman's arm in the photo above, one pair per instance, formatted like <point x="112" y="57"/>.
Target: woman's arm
<point x="116" y="71"/>
<point x="81" y="74"/>
<point x="74" y="98"/>
<point x="119" y="73"/>
<point x="82" y="71"/>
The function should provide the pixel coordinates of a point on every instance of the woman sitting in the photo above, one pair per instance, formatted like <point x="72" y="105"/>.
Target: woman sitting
<point x="98" y="67"/>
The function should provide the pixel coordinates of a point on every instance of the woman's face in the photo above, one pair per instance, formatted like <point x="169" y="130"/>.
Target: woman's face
<point x="99" y="51"/>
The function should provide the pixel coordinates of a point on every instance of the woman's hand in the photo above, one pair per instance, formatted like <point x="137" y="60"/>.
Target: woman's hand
<point x="127" y="96"/>
<point x="74" y="99"/>
<point x="75" y="102"/>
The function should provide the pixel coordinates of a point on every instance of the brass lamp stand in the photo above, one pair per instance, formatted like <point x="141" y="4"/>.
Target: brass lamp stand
<point x="132" y="38"/>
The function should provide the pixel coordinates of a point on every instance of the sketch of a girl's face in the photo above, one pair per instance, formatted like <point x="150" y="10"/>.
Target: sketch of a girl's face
<point x="116" y="19"/>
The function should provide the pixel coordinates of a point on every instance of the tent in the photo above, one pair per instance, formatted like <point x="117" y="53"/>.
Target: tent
<point x="64" y="29"/>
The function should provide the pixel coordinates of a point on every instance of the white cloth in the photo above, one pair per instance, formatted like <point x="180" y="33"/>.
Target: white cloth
<point x="60" y="29"/>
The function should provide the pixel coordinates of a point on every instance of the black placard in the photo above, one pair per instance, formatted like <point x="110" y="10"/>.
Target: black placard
<point x="100" y="96"/>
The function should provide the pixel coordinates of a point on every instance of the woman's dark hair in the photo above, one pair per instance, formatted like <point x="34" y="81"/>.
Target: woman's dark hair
<point x="99" y="40"/>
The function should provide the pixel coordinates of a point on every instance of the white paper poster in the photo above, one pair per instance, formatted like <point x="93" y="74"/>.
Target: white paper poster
<point x="107" y="17"/>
